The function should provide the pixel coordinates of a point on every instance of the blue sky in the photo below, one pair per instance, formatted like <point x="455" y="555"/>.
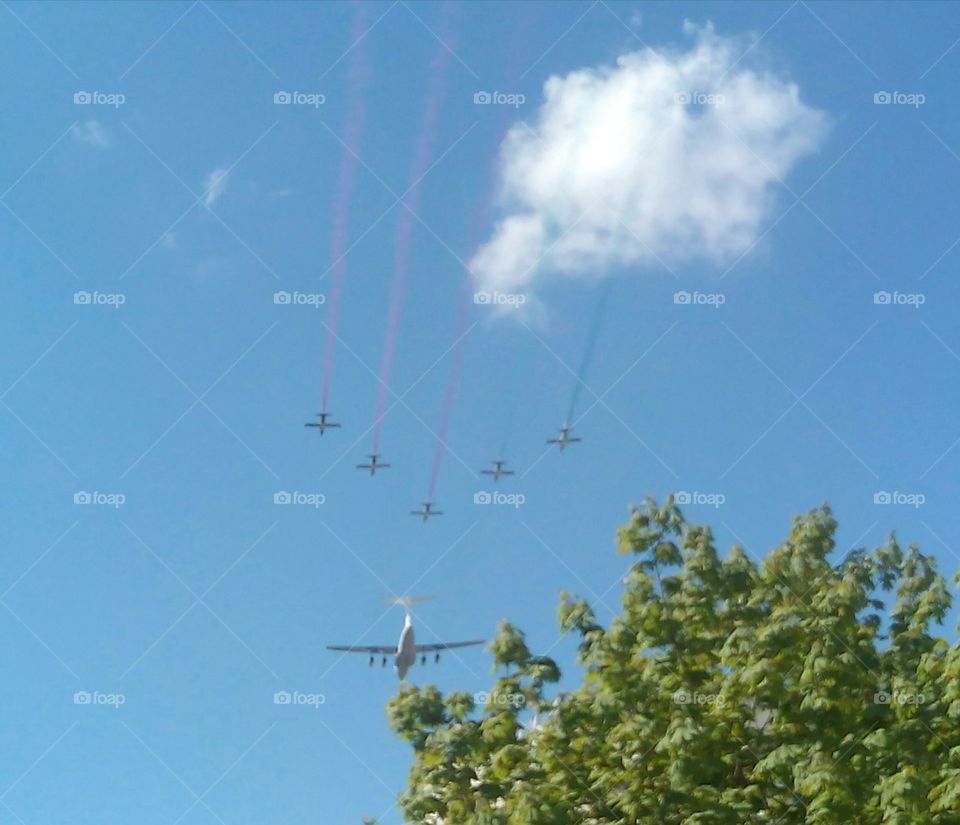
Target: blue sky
<point x="198" y="598"/>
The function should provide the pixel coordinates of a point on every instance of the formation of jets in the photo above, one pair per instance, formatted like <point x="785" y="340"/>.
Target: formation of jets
<point x="405" y="651"/>
<point x="426" y="511"/>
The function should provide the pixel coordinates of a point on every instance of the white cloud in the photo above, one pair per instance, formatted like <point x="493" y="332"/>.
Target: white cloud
<point x="92" y="133"/>
<point x="667" y="155"/>
<point x="214" y="185"/>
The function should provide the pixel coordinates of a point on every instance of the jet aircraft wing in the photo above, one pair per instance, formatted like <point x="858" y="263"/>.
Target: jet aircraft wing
<point x="446" y="646"/>
<point x="364" y="648"/>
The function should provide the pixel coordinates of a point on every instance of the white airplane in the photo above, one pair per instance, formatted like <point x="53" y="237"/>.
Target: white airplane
<point x="323" y="425"/>
<point x="405" y="652"/>
<point x="373" y="465"/>
<point x="497" y="470"/>
<point x="564" y="438"/>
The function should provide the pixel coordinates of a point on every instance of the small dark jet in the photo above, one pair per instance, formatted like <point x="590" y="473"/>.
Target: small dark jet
<point x="322" y="424"/>
<point x="497" y="470"/>
<point x="373" y="465"/>
<point x="426" y="511"/>
<point x="564" y="438"/>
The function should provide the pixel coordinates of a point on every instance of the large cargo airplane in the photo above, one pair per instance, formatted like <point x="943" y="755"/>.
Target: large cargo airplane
<point x="406" y="651"/>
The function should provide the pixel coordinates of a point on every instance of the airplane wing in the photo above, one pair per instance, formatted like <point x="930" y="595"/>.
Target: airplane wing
<point x="364" y="648"/>
<point x="446" y="646"/>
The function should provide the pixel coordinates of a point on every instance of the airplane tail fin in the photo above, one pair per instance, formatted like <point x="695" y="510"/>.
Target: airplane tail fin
<point x="407" y="601"/>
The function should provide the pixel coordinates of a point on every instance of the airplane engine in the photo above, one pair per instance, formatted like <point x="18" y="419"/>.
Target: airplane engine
<point x="423" y="659"/>
<point x="436" y="659"/>
<point x="384" y="662"/>
<point x="371" y="661"/>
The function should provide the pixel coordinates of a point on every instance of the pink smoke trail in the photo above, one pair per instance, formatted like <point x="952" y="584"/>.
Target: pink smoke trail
<point x="343" y="193"/>
<point x="403" y="234"/>
<point x="463" y="313"/>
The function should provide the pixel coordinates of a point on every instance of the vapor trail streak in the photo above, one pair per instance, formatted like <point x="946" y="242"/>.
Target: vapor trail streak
<point x="346" y="181"/>
<point x="403" y="234"/>
<point x="466" y="290"/>
<point x="592" y="335"/>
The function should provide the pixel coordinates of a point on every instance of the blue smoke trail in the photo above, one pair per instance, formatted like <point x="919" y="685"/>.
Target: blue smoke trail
<point x="592" y="335"/>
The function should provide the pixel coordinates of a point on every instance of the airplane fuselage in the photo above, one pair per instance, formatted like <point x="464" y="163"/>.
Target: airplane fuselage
<point x="406" y="649"/>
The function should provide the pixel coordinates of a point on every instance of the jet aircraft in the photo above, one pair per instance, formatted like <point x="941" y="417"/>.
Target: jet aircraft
<point x="426" y="511"/>
<point x="373" y="465"/>
<point x="323" y="425"/>
<point x="406" y="651"/>
<point x="564" y="438"/>
<point x="497" y="470"/>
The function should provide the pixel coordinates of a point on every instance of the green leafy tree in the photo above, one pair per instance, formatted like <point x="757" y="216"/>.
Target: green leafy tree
<point x="798" y="690"/>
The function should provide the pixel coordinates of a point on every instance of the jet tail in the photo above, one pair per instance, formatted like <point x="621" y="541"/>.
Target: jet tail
<point x="407" y="601"/>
